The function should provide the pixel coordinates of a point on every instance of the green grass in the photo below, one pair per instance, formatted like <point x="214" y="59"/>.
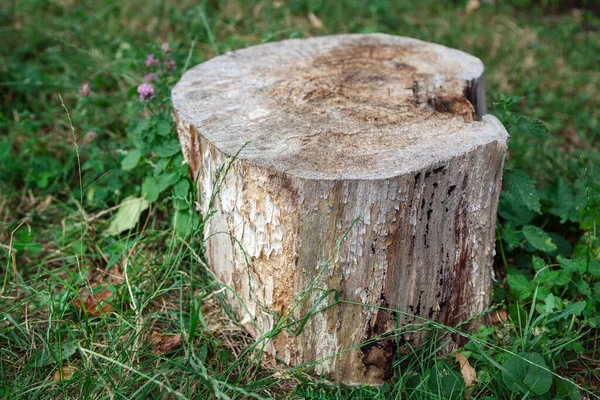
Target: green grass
<point x="60" y="189"/>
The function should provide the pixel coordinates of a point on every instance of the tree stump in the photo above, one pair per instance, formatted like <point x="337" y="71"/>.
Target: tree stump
<point x="389" y="130"/>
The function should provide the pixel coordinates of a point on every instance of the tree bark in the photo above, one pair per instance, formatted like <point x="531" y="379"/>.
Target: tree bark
<point x="364" y="193"/>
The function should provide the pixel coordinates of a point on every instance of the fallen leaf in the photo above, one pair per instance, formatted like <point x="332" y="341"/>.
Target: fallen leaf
<point x="315" y="21"/>
<point x="467" y="372"/>
<point x="472" y="5"/>
<point x="64" y="372"/>
<point x="162" y="344"/>
<point x="278" y="375"/>
<point x="272" y="361"/>
<point x="128" y="215"/>
<point x="97" y="303"/>
<point x="499" y="316"/>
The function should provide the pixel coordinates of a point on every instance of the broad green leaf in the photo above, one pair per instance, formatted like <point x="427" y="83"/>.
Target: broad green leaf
<point x="180" y="204"/>
<point x="153" y="186"/>
<point x="542" y="292"/>
<point x="538" y="238"/>
<point x="183" y="223"/>
<point x="160" y="166"/>
<point x="594" y="268"/>
<point x="562" y="278"/>
<point x="186" y="222"/>
<point x="513" y="210"/>
<point x="445" y="382"/>
<point x="596" y="290"/>
<point x="583" y="288"/>
<point x="566" y="389"/>
<point x="527" y="372"/>
<point x="142" y="126"/>
<point x="538" y="263"/>
<point x="554" y="278"/>
<point x="127" y="216"/>
<point x="563" y="247"/>
<point x="520" y="285"/>
<point x="180" y="165"/>
<point x="140" y="134"/>
<point x="150" y="189"/>
<point x="78" y="247"/>
<point x="182" y="189"/>
<point x="163" y="128"/>
<point x="570" y="309"/>
<point x="563" y="201"/>
<point x="510" y="236"/>
<point x="575" y="265"/>
<point x="167" y="148"/>
<point x="519" y="185"/>
<point x="166" y="180"/>
<point x="532" y="128"/>
<point x="42" y="180"/>
<point x="131" y="160"/>
<point x="27" y="243"/>
<point x="184" y="170"/>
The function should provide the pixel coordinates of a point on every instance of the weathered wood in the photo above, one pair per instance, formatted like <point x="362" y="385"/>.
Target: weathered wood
<point x="373" y="126"/>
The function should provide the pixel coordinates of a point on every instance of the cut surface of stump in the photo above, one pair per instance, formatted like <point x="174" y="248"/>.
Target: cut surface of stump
<point x="365" y="166"/>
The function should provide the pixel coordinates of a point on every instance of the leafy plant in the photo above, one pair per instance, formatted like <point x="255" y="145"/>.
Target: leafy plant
<point x="527" y="373"/>
<point x="551" y="303"/>
<point x="156" y="152"/>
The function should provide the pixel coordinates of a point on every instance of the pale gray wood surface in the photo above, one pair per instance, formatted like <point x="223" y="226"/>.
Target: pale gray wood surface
<point x="373" y="126"/>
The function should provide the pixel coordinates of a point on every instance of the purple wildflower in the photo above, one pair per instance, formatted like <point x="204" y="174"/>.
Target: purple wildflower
<point x="149" y="77"/>
<point x="91" y="135"/>
<point x="165" y="47"/>
<point x="146" y="92"/>
<point x="84" y="91"/>
<point x="151" y="61"/>
<point x="170" y="64"/>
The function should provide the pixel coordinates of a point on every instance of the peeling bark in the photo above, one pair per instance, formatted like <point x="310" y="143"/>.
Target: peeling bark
<point x="372" y="126"/>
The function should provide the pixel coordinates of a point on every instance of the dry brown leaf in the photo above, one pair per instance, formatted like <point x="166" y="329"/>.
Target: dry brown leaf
<point x="272" y="361"/>
<point x="315" y="21"/>
<point x="98" y="303"/>
<point x="64" y="372"/>
<point x="467" y="372"/>
<point x="499" y="316"/>
<point x="277" y="375"/>
<point x="472" y="5"/>
<point x="162" y="344"/>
